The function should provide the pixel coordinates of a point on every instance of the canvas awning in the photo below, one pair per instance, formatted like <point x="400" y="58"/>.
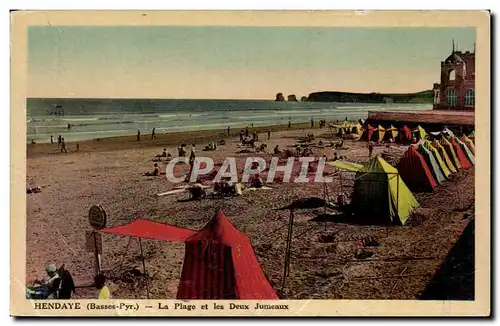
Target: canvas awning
<point x="354" y="167"/>
<point x="142" y="228"/>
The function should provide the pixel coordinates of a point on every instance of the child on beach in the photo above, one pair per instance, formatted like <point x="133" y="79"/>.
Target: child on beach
<point x="100" y="284"/>
<point x="156" y="171"/>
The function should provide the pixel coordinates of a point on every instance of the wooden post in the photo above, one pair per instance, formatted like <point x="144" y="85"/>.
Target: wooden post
<point x="144" y="269"/>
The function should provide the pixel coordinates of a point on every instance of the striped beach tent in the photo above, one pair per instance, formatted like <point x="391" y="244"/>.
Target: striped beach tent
<point x="448" y="133"/>
<point x="391" y="133"/>
<point x="442" y="165"/>
<point x="378" y="134"/>
<point x="415" y="173"/>
<point x="220" y="263"/>
<point x="420" y="133"/>
<point x="405" y="135"/>
<point x="448" y="147"/>
<point x="431" y="163"/>
<point x="467" y="152"/>
<point x="357" y="129"/>
<point x="464" y="161"/>
<point x="367" y="133"/>
<point x="469" y="143"/>
<point x="444" y="155"/>
<point x="472" y="136"/>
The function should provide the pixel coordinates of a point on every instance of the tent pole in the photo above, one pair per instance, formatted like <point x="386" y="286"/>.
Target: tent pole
<point x="97" y="255"/>
<point x="124" y="254"/>
<point x="287" y="247"/>
<point x="144" y="268"/>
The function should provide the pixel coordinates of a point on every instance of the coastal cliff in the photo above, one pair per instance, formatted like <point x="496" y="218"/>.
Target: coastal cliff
<point x="344" y="97"/>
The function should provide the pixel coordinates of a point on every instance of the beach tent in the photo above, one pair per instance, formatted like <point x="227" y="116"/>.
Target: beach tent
<point x="391" y="133"/>
<point x="469" y="143"/>
<point x="415" y="172"/>
<point x="444" y="156"/>
<point x="378" y="134"/>
<point x="420" y="133"/>
<point x="220" y="263"/>
<point x="349" y="166"/>
<point x="472" y="136"/>
<point x="448" y="133"/>
<point x="405" y="135"/>
<point x="380" y="194"/>
<point x="432" y="163"/>
<point x="465" y="149"/>
<point x="357" y="129"/>
<point x="439" y="160"/>
<point x="451" y="152"/>
<point x="465" y="163"/>
<point x="367" y="133"/>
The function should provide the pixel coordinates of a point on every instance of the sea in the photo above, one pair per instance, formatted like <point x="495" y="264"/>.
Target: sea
<point x="100" y="118"/>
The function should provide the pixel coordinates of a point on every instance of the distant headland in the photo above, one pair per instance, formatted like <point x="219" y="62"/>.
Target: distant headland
<point x="345" y="97"/>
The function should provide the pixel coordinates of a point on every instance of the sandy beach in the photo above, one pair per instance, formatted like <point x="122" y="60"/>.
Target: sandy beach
<point x="109" y="172"/>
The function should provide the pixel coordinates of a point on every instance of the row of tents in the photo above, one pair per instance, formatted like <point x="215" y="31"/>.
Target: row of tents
<point x="383" y="194"/>
<point x="404" y="134"/>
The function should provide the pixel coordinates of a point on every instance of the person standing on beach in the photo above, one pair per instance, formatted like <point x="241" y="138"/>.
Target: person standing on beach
<point x="268" y="134"/>
<point x="246" y="132"/>
<point x="312" y="123"/>
<point x="51" y="139"/>
<point x="59" y="140"/>
<point x="242" y="133"/>
<point x="228" y="130"/>
<point x="138" y="135"/>
<point x="153" y="133"/>
<point x="289" y="124"/>
<point x="63" y="146"/>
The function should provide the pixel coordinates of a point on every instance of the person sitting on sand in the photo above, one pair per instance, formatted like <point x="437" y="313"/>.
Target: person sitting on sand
<point x="222" y="142"/>
<point x="156" y="171"/>
<point x="52" y="282"/>
<point x="277" y="150"/>
<point x="335" y="157"/>
<point x="100" y="284"/>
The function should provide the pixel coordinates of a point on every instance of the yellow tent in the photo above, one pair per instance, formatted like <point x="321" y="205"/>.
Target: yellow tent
<point x="444" y="155"/>
<point x="357" y="129"/>
<point x="381" y="195"/>
<point x="469" y="143"/>
<point x="451" y="152"/>
<point x="391" y="133"/>
<point x="442" y="166"/>
<point x="420" y="133"/>
<point x="378" y="134"/>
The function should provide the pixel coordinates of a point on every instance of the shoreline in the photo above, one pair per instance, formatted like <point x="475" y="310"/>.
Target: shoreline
<point x="169" y="139"/>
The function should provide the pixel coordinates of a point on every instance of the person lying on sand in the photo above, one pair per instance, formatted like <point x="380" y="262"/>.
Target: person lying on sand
<point x="156" y="171"/>
<point x="33" y="190"/>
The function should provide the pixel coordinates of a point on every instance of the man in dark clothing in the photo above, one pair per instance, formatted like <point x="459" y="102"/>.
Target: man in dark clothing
<point x="242" y="133"/>
<point x="228" y="130"/>
<point x="67" y="286"/>
<point x="312" y="123"/>
<point x="138" y="135"/>
<point x="59" y="140"/>
<point x="153" y="133"/>
<point x="246" y="132"/>
<point x="268" y="134"/>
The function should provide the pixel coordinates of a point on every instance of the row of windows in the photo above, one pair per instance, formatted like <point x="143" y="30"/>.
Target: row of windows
<point x="451" y="97"/>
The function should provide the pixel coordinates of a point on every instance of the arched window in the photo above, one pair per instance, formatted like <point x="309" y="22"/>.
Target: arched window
<point x="436" y="97"/>
<point x="451" y="97"/>
<point x="452" y="75"/>
<point x="469" y="97"/>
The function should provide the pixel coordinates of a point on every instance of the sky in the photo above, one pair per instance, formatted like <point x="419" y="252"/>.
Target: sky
<point x="234" y="62"/>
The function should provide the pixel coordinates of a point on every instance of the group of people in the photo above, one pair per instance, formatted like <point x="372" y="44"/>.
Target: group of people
<point x="59" y="284"/>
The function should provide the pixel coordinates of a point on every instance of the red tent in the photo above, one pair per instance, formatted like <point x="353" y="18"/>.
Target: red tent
<point x="220" y="264"/>
<point x="415" y="172"/>
<point x="141" y="228"/>
<point x="367" y="133"/>
<point x="466" y="164"/>
<point x="405" y="135"/>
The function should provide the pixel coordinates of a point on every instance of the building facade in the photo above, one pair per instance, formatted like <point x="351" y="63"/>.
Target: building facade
<point x="457" y="88"/>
